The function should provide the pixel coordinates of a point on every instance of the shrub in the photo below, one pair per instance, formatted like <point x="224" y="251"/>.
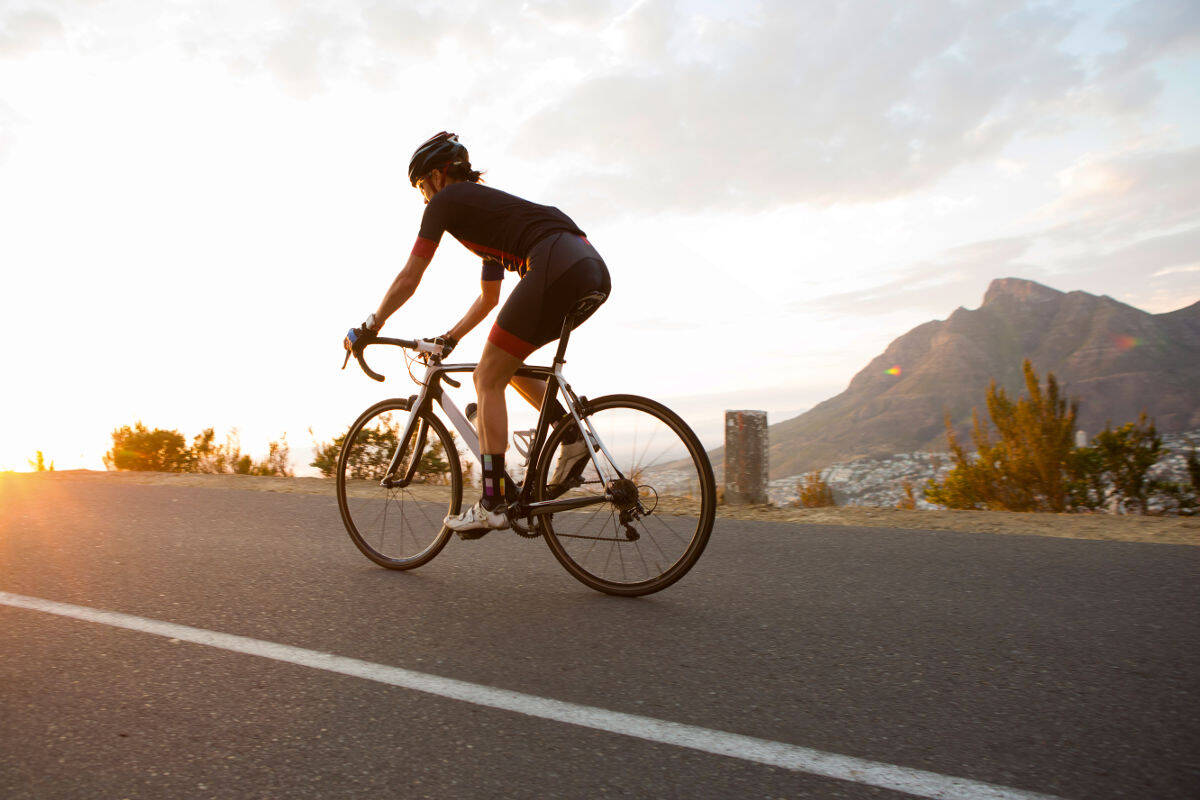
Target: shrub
<point x="140" y="449"/>
<point x="374" y="452"/>
<point x="1024" y="468"/>
<point x="814" y="492"/>
<point x="38" y="462"/>
<point x="1125" y="456"/>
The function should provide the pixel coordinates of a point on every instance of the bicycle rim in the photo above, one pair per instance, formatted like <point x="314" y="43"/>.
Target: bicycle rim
<point x="656" y="542"/>
<point x="397" y="527"/>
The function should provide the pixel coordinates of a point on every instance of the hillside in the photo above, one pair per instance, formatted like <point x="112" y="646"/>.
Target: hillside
<point x="1117" y="359"/>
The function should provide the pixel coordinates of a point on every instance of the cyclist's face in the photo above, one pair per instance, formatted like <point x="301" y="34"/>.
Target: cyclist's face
<point x="430" y="184"/>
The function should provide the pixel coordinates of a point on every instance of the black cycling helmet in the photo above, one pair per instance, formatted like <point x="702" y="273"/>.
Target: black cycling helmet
<point x="439" y="151"/>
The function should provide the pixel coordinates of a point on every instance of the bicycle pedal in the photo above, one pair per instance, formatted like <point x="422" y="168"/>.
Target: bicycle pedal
<point x="475" y="534"/>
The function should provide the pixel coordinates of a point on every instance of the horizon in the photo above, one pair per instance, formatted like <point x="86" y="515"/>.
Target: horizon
<point x="197" y="206"/>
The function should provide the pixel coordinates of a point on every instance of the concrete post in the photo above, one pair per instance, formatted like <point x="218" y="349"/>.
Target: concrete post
<point x="746" y="457"/>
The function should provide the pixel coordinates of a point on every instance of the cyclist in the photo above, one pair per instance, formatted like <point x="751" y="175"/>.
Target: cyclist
<point x="556" y="266"/>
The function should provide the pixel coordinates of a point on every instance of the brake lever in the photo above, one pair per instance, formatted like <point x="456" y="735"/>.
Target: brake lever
<point x="346" y="360"/>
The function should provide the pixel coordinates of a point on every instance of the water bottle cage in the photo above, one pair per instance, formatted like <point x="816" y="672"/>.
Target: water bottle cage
<point x="522" y="440"/>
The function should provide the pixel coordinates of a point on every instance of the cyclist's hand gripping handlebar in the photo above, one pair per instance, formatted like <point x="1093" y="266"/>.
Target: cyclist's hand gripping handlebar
<point x="356" y="340"/>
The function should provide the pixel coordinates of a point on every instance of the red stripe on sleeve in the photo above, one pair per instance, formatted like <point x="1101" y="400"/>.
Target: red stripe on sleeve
<point x="425" y="248"/>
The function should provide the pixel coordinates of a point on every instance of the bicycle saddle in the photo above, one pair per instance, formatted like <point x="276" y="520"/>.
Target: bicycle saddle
<point x="588" y="303"/>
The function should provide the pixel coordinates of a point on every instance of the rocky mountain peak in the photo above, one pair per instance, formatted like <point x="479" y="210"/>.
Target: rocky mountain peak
<point x="1020" y="290"/>
<point x="1116" y="359"/>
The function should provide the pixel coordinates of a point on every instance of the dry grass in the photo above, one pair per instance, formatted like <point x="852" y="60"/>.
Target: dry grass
<point x="1166" y="530"/>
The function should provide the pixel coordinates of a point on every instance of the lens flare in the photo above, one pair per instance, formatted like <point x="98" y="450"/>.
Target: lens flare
<point x="892" y="371"/>
<point x="1126" y="342"/>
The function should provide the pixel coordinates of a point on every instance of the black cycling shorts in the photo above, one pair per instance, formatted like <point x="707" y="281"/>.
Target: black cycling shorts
<point x="563" y="268"/>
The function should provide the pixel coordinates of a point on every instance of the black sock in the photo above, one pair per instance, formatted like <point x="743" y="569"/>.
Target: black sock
<point x="493" y="480"/>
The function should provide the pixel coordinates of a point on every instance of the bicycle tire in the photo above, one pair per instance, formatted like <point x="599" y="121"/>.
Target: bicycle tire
<point x="365" y="504"/>
<point x="569" y="547"/>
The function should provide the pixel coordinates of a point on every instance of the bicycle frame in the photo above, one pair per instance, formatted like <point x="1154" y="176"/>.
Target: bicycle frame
<point x="432" y="392"/>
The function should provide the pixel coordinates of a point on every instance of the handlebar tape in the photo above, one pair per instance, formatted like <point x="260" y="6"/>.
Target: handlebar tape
<point x="362" y="362"/>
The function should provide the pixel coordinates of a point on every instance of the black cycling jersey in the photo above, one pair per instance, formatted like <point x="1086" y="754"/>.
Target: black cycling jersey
<point x="498" y="227"/>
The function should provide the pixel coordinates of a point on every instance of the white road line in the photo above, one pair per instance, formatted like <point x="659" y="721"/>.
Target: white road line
<point x="763" y="751"/>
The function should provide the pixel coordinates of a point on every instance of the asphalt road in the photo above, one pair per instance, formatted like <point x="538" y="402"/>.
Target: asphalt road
<point x="1048" y="665"/>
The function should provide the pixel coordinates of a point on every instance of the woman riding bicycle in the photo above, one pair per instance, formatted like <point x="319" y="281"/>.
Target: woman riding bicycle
<point x="556" y="266"/>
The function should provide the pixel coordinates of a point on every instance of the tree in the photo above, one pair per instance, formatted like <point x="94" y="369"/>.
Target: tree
<point x="974" y="481"/>
<point x="373" y="451"/>
<point x="814" y="492"/>
<point x="216" y="458"/>
<point x="277" y="461"/>
<point x="1087" y="488"/>
<point x="1185" y="498"/>
<point x="1125" y="456"/>
<point x="1025" y="467"/>
<point x="909" y="501"/>
<point x="140" y="449"/>
<point x="38" y="462"/>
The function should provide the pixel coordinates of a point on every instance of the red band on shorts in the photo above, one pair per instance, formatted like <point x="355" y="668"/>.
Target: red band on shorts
<point x="425" y="248"/>
<point x="514" y="346"/>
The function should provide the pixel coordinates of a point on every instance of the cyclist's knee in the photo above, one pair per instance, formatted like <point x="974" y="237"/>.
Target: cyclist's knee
<point x="491" y="376"/>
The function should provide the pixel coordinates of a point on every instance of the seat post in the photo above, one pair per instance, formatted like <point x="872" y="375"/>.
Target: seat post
<point x="585" y="306"/>
<point x="560" y="355"/>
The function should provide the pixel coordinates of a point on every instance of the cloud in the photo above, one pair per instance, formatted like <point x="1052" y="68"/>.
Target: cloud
<point x="301" y="57"/>
<point x="830" y="103"/>
<point x="1127" y="194"/>
<point x="1176" y="270"/>
<point x="25" y="32"/>
<point x="937" y="284"/>
<point x="1152" y="29"/>
<point x="817" y="103"/>
<point x="1153" y="257"/>
<point x="1129" y="222"/>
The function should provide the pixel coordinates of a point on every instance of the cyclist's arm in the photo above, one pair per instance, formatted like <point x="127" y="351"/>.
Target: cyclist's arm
<point x="402" y="288"/>
<point x="489" y="296"/>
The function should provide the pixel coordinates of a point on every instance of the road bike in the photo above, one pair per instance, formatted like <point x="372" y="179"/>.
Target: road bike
<point x="632" y="519"/>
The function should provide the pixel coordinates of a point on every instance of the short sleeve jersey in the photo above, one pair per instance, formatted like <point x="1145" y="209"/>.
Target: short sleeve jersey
<point x="498" y="227"/>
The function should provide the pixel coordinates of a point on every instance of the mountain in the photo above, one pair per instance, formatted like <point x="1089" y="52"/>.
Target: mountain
<point x="1116" y="359"/>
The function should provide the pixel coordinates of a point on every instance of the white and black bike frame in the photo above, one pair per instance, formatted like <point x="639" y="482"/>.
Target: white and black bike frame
<point x="432" y="391"/>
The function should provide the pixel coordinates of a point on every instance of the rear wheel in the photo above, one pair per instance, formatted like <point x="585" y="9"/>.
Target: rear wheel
<point x="398" y="527"/>
<point x="660" y="499"/>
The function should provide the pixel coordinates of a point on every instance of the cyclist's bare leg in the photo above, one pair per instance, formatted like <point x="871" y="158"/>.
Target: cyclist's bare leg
<point x="496" y="369"/>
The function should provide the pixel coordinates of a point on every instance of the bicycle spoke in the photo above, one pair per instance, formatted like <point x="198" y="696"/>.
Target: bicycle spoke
<point x="397" y="527"/>
<point x="646" y="552"/>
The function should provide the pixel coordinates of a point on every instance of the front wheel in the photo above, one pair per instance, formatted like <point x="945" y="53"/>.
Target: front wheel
<point x="660" y="501"/>
<point x="398" y="527"/>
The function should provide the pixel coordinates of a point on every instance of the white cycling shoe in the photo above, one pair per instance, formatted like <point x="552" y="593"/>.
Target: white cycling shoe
<point x="477" y="520"/>
<point x="571" y="456"/>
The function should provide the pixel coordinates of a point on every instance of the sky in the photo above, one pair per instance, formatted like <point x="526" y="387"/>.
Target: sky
<point x="198" y="199"/>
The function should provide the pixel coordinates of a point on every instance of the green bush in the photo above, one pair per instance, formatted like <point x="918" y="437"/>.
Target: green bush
<point x="1022" y="467"/>
<point x="1028" y="464"/>
<point x="138" y="448"/>
<point x="374" y="450"/>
